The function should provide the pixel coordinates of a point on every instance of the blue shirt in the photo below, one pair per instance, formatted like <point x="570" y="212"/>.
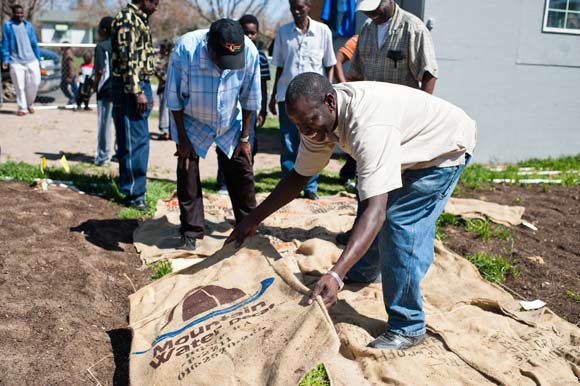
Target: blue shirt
<point x="211" y="100"/>
<point x="10" y="43"/>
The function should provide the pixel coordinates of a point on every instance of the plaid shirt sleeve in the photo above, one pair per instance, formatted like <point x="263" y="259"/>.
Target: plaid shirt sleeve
<point x="422" y="54"/>
<point x="251" y="91"/>
<point x="177" y="85"/>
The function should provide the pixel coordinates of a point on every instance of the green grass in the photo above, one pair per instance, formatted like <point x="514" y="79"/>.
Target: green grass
<point x="316" y="377"/>
<point x="476" y="175"/>
<point x="98" y="181"/>
<point x="160" y="268"/>
<point x="493" y="268"/>
<point x="484" y="228"/>
<point x="266" y="181"/>
<point x="573" y="295"/>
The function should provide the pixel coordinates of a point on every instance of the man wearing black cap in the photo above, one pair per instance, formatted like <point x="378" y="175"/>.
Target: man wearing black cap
<point x="212" y="89"/>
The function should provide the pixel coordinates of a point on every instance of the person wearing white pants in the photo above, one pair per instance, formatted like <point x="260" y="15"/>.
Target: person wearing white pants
<point x="20" y="51"/>
<point x="26" y="79"/>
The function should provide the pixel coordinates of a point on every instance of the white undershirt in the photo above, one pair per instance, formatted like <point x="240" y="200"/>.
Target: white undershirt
<point x="382" y="30"/>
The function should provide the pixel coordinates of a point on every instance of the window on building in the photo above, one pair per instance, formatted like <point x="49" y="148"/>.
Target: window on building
<point x="562" y="16"/>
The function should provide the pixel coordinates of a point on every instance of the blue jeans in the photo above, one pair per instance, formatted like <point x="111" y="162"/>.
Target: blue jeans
<point x="104" y="141"/>
<point x="404" y="248"/>
<point x="132" y="131"/>
<point x="290" y="142"/>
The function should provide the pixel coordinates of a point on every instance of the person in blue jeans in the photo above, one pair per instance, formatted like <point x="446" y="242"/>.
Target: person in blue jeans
<point x="410" y="148"/>
<point x="302" y="45"/>
<point x="133" y="64"/>
<point x="102" y="86"/>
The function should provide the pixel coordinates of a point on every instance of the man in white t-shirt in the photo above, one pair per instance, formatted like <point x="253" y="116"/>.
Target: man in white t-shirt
<point x="303" y="45"/>
<point x="410" y="149"/>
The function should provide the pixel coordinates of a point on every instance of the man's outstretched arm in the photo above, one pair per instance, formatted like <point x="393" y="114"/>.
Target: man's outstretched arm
<point x="363" y="234"/>
<point x="286" y="190"/>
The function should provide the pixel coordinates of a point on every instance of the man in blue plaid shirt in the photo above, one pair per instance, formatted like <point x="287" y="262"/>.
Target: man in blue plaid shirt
<point x="212" y="90"/>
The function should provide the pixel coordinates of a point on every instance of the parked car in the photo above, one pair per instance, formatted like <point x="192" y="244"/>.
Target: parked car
<point x="50" y="75"/>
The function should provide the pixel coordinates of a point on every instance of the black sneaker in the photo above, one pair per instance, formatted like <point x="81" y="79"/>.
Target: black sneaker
<point x="139" y="205"/>
<point x="187" y="243"/>
<point x="310" y="195"/>
<point x="391" y="341"/>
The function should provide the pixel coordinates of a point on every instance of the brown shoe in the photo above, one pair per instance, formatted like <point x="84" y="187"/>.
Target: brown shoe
<point x="31" y="110"/>
<point x="164" y="137"/>
<point x="21" y="113"/>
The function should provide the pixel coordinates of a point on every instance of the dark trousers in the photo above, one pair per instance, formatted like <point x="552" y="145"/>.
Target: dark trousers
<point x="239" y="179"/>
<point x="132" y="131"/>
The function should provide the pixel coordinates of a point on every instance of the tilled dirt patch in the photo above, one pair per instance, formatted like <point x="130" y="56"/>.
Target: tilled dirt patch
<point x="63" y="289"/>
<point x="555" y="211"/>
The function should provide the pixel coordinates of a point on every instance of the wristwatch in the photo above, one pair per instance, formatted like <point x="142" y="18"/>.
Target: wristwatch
<point x="337" y="278"/>
<point x="245" y="139"/>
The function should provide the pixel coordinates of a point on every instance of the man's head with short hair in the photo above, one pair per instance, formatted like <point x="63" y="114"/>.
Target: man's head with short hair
<point x="147" y="6"/>
<point x="311" y="105"/>
<point x="88" y="57"/>
<point x="300" y="10"/>
<point x="17" y="13"/>
<point x="250" y="25"/>
<point x="105" y="27"/>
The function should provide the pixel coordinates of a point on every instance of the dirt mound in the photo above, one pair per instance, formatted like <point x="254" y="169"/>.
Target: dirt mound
<point x="63" y="287"/>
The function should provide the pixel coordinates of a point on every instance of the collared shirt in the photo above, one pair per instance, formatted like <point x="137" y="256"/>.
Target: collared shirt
<point x="406" y="54"/>
<point x="212" y="100"/>
<point x="133" y="56"/>
<point x="388" y="128"/>
<point x="299" y="52"/>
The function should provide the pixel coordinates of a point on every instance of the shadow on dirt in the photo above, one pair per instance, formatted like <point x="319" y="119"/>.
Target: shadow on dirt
<point x="108" y="234"/>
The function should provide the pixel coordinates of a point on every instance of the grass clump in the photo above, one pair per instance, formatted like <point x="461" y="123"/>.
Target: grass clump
<point x="160" y="268"/>
<point x="484" y="228"/>
<point x="493" y="268"/>
<point x="316" y="377"/>
<point x="573" y="295"/>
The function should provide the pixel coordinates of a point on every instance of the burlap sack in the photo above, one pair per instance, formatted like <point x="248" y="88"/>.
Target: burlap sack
<point x="477" y="334"/>
<point x="159" y="238"/>
<point x="471" y="208"/>
<point x="233" y="319"/>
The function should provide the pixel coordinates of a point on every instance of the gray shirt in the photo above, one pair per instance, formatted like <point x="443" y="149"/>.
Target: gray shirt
<point x="23" y="53"/>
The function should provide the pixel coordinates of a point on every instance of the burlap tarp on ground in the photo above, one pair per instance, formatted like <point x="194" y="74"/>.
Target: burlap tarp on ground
<point x="472" y="208"/>
<point x="477" y="333"/>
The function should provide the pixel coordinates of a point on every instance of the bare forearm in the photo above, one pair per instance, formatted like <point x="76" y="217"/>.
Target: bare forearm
<point x="276" y="78"/>
<point x="246" y="122"/>
<point x="363" y="234"/>
<point x="428" y="83"/>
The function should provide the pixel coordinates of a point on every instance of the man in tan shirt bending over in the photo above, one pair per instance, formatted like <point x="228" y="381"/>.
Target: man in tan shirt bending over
<point x="410" y="149"/>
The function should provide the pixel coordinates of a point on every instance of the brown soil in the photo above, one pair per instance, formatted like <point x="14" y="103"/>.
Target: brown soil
<point x="63" y="290"/>
<point x="64" y="257"/>
<point x="556" y="214"/>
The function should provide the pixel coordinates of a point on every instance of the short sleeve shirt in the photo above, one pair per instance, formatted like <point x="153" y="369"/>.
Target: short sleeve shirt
<point x="387" y="129"/>
<point x="299" y="52"/>
<point x="349" y="47"/>
<point x="404" y="56"/>
<point x="103" y="66"/>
